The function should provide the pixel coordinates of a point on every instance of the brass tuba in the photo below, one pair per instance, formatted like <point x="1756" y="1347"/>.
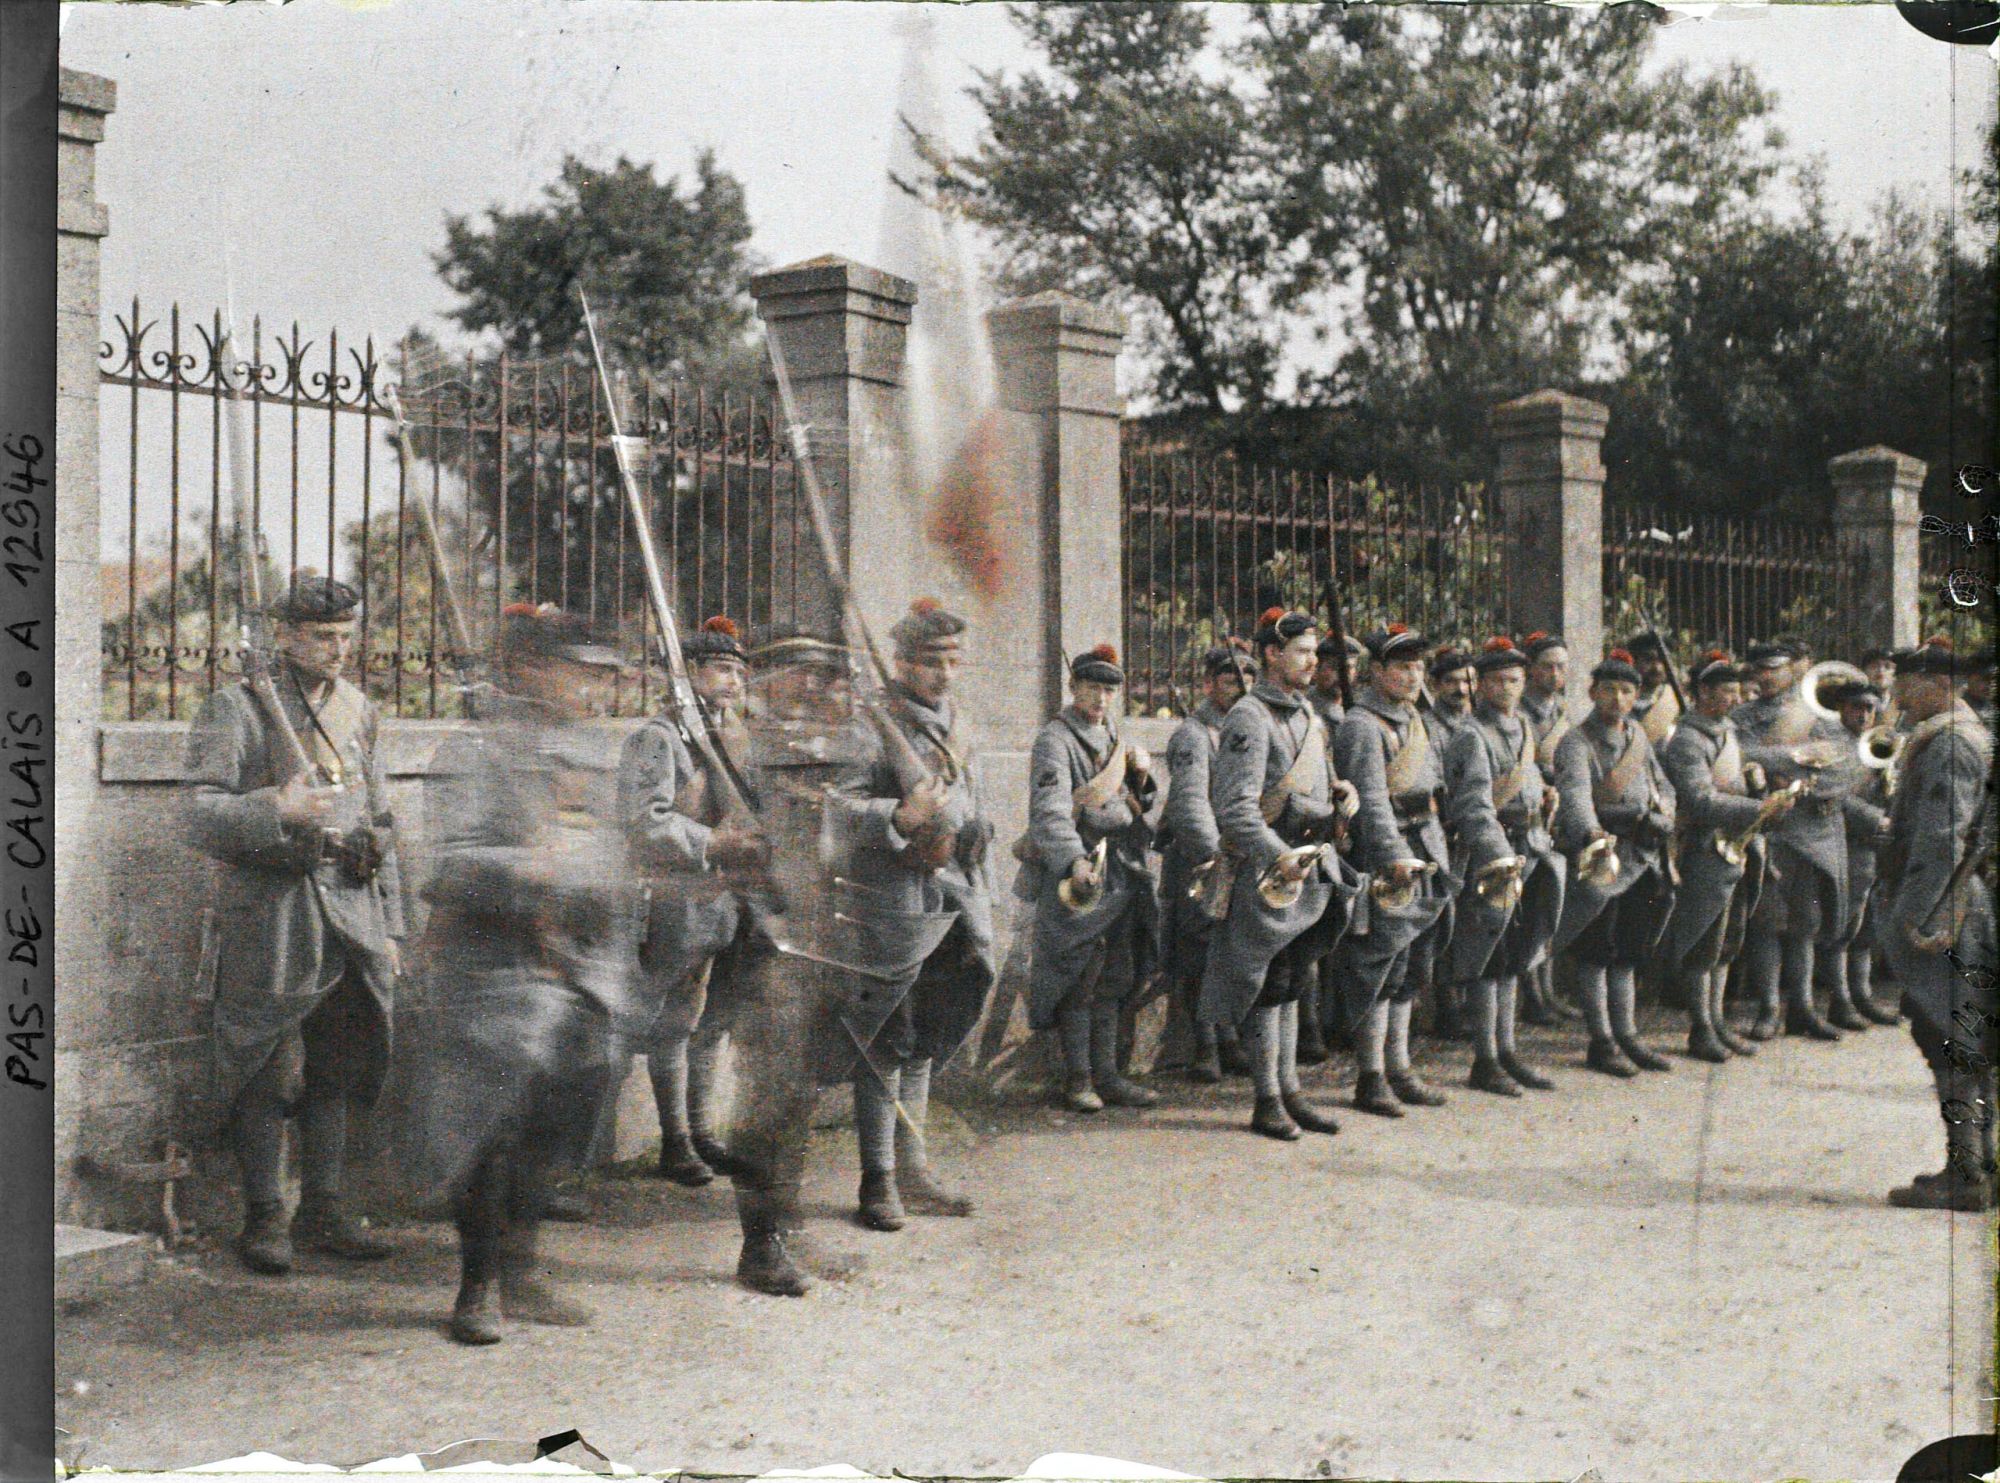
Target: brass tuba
<point x="1824" y="676"/>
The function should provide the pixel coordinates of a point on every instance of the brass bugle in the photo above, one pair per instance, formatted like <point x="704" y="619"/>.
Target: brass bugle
<point x="1082" y="897"/>
<point x="1281" y="894"/>
<point x="1598" y="864"/>
<point x="1825" y="675"/>
<point x="1735" y="848"/>
<point x="1879" y="746"/>
<point x="1499" y="881"/>
<point x="1386" y="894"/>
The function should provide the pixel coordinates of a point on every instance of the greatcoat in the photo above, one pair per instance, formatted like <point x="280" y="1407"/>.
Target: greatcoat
<point x="1632" y="799"/>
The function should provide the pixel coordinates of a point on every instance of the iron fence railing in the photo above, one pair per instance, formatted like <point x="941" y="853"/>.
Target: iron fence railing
<point x="515" y="459"/>
<point x="1211" y="542"/>
<point x="1708" y="580"/>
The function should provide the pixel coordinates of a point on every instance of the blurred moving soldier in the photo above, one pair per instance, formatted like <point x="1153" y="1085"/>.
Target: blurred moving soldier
<point x="1385" y="751"/>
<point x="1193" y="848"/>
<point x="1499" y="810"/>
<point x="1616" y="822"/>
<point x="1318" y="1013"/>
<point x="700" y="934"/>
<point x="1722" y="860"/>
<point x="1083" y="865"/>
<point x="1936" y="924"/>
<point x="1452" y="681"/>
<point x="1803" y="909"/>
<point x="1658" y="709"/>
<point x="1865" y="810"/>
<point x="301" y="955"/>
<point x="1325" y="694"/>
<point x="529" y="956"/>
<point x="914" y="910"/>
<point x="1979" y="695"/>
<point x="1545" y="703"/>
<point x="783" y="1026"/>
<point x="1880" y="667"/>
<point x="1283" y="901"/>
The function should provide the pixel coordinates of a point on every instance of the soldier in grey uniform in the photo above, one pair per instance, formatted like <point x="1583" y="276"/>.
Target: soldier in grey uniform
<point x="1545" y="705"/>
<point x="700" y="932"/>
<point x="913" y="891"/>
<point x="1279" y="809"/>
<point x="301" y="950"/>
<point x="1704" y="761"/>
<point x="1384" y="749"/>
<point x="1452" y="680"/>
<point x="1936" y="926"/>
<point x="1192" y="847"/>
<point x="1803" y="909"/>
<point x="1326" y="689"/>
<point x="1865" y="810"/>
<point x="1499" y="807"/>
<point x="1088" y="798"/>
<point x="1613" y="788"/>
<point x="529" y="956"/>
<point x="1658" y="709"/>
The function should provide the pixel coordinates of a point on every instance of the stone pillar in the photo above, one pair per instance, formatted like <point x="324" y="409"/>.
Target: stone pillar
<point x="1550" y="480"/>
<point x="841" y="328"/>
<point x="1055" y="359"/>
<point x="80" y="943"/>
<point x="1875" y="510"/>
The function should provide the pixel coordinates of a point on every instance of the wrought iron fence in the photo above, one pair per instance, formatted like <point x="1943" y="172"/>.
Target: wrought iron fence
<point x="1708" y="580"/>
<point x="1211" y="542"/>
<point x="514" y="458"/>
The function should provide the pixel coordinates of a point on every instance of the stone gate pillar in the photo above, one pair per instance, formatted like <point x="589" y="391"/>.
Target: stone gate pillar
<point x="1875" y="510"/>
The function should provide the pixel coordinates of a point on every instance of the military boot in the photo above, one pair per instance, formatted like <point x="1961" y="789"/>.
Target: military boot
<point x="1078" y="1095"/>
<point x="1207" y="1067"/>
<point x="1874" y="1009"/>
<point x="920" y="1191"/>
<point x="1705" y="1043"/>
<point x="879" y="1205"/>
<point x="712" y="1152"/>
<point x="526" y="1295"/>
<point x="1607" y="1056"/>
<point x="1412" y="1089"/>
<point x="765" y="1264"/>
<point x="1525" y="1074"/>
<point x="323" y="1223"/>
<point x="1270" y="1118"/>
<point x="1966" y="1182"/>
<point x="1803" y="1018"/>
<point x="682" y="1163"/>
<point x="266" y="1243"/>
<point x="1491" y="1076"/>
<point x="475" y="1317"/>
<point x="1229" y="1052"/>
<point x="1306" y="1115"/>
<point x="1642" y="1055"/>
<point x="1372" y="1094"/>
<point x="1841" y="1013"/>
<point x="1117" y="1089"/>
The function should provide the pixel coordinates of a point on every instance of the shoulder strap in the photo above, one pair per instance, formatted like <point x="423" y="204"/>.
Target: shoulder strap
<point x="1609" y="790"/>
<point x="1405" y="762"/>
<point x="1507" y="786"/>
<point x="1726" y="771"/>
<point x="1310" y="760"/>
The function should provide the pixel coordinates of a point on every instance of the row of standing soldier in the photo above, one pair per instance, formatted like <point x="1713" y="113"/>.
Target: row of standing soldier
<point x="589" y="902"/>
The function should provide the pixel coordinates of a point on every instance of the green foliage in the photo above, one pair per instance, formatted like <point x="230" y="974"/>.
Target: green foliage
<point x="666" y="267"/>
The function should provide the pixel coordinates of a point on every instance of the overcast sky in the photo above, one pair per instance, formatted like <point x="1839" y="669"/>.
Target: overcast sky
<point x="314" y="148"/>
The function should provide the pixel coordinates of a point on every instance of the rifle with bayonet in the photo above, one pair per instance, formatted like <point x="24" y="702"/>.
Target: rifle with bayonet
<point x="1337" y="628"/>
<point x="691" y="717"/>
<point x="933" y="845"/>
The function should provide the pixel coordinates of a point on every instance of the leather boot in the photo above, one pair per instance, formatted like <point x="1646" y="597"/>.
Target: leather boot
<point x="1532" y="1006"/>
<point x="1804" y="1019"/>
<point x="1414" y="1090"/>
<point x="1079" y="1095"/>
<point x="1372" y="1094"/>
<point x="1270" y="1118"/>
<point x="1525" y="1074"/>
<point x="714" y="1153"/>
<point x="1207" y="1068"/>
<point x="683" y="1164"/>
<point x="765" y="1264"/>
<point x="266" y="1243"/>
<point x="1229" y="1052"/>
<point x="1308" y="1116"/>
<point x="1966" y="1184"/>
<point x="1841" y="1013"/>
<point x="526" y="1295"/>
<point x="1705" y="1043"/>
<point x="475" y="1317"/>
<point x="1642" y="1055"/>
<point x="1489" y="1076"/>
<point x="1606" y="1056"/>
<point x="1874" y="1009"/>
<point x="1121" y="1091"/>
<point x="1116" y="1089"/>
<point x="880" y="1206"/>
<point x="324" y="1224"/>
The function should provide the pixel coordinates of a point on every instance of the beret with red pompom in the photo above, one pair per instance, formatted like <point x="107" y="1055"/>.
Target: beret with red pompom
<point x="1617" y="665"/>
<point x="717" y="638"/>
<point x="1538" y="643"/>
<point x="927" y="630"/>
<point x="1396" y="641"/>
<point x="530" y="631"/>
<point x="1280" y="625"/>
<point x="315" y="599"/>
<point x="1231" y="656"/>
<point x="1098" y="664"/>
<point x="1449" y="660"/>
<point x="1498" y="653"/>
<point x="1715" y="667"/>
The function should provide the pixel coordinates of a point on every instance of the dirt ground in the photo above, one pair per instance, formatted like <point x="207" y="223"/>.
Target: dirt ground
<point x="1694" y="1275"/>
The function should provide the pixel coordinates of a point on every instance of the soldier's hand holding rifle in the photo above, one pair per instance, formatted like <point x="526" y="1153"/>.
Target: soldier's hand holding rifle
<point x="738" y="851"/>
<point x="920" y="808"/>
<point x="304" y="806"/>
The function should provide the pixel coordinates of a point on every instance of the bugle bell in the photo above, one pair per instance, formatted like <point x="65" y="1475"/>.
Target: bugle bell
<point x="1499" y="881"/>
<point x="1880" y="747"/>
<point x="1391" y="896"/>
<point x="1598" y="864"/>
<point x="1081" y="896"/>
<point x="1281" y="893"/>
<point x="1735" y="848"/>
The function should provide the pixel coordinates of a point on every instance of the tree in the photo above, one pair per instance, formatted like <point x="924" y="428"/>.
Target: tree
<point x="666" y="267"/>
<point x="1128" y="171"/>
<point x="1780" y="343"/>
<point x="1481" y="187"/>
